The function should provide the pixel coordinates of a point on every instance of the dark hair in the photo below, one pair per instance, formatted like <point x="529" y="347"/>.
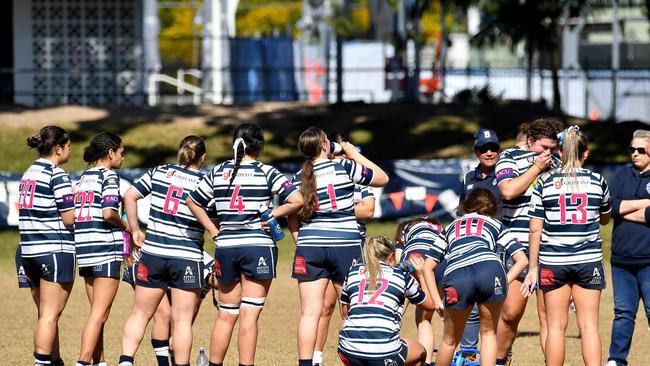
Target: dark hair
<point x="190" y="150"/>
<point x="100" y="145"/>
<point x="309" y="144"/>
<point x="482" y="201"/>
<point x="542" y="128"/>
<point x="253" y="139"/>
<point x="47" y="139"/>
<point x="408" y="224"/>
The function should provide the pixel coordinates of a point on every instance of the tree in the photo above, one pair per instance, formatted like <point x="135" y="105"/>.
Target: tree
<point x="264" y="18"/>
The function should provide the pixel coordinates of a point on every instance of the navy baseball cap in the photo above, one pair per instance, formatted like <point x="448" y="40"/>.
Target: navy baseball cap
<point x="485" y="136"/>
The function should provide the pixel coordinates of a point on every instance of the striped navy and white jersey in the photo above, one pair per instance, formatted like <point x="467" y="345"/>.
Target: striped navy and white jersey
<point x="238" y="206"/>
<point x="97" y="241"/>
<point x="570" y="208"/>
<point x="371" y="329"/>
<point x="360" y="194"/>
<point x="45" y="192"/>
<point x="172" y="230"/>
<point x="511" y="164"/>
<point x="334" y="223"/>
<point x="424" y="239"/>
<point x="473" y="238"/>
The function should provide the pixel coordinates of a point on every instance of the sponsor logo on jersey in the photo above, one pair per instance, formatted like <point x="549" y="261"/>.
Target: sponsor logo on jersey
<point x="68" y="198"/>
<point x="557" y="183"/>
<point x="226" y="174"/>
<point x="189" y="276"/>
<point x="451" y="296"/>
<point x="143" y="272"/>
<point x="300" y="266"/>
<point x="546" y="277"/>
<point x="111" y="199"/>
<point x="365" y="172"/>
<point x="170" y="173"/>
<point x="262" y="268"/>
<point x="287" y="185"/>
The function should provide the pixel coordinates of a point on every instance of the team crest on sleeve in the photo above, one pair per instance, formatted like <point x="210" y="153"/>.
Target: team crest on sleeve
<point x="365" y="172"/>
<point x="287" y="185"/>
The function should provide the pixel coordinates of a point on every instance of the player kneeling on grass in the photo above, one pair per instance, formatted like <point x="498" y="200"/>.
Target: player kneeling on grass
<point x="475" y="274"/>
<point x="372" y="303"/>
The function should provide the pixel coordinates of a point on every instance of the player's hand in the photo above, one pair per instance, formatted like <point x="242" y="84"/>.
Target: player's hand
<point x="349" y="150"/>
<point x="438" y="306"/>
<point x="530" y="283"/>
<point x="543" y="160"/>
<point x="265" y="226"/>
<point x="418" y="263"/>
<point x="138" y="238"/>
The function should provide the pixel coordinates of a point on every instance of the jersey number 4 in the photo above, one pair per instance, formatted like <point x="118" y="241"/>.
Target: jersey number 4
<point x="575" y="199"/>
<point x="237" y="201"/>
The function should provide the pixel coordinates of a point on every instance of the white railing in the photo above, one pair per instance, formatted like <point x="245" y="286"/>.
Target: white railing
<point x="179" y="82"/>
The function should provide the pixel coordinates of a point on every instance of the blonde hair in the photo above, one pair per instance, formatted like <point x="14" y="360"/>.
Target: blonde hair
<point x="190" y="151"/>
<point x="376" y="249"/>
<point x="641" y="134"/>
<point x="574" y="144"/>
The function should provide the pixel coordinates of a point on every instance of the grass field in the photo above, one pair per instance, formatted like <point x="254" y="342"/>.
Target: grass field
<point x="277" y="340"/>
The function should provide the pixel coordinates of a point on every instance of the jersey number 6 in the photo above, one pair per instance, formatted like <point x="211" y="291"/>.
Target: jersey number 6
<point x="174" y="195"/>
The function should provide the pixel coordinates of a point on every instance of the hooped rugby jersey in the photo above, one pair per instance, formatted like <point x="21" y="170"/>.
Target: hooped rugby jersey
<point x="473" y="238"/>
<point x="45" y="192"/>
<point x="172" y="230"/>
<point x="238" y="206"/>
<point x="424" y="239"/>
<point x="371" y="329"/>
<point x="513" y="163"/>
<point x="97" y="241"/>
<point x="360" y="194"/>
<point x="334" y="223"/>
<point x="571" y="211"/>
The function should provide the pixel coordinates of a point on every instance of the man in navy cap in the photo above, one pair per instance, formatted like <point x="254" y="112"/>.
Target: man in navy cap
<point x="486" y="149"/>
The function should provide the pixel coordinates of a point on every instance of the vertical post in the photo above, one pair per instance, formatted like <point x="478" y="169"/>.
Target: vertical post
<point x="217" y="17"/>
<point x="616" y="38"/>
<point x="151" y="63"/>
<point x="339" y="70"/>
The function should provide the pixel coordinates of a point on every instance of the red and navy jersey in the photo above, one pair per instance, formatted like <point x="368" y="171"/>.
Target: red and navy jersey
<point x="238" y="206"/>
<point x="473" y="238"/>
<point x="334" y="223"/>
<point x="172" y="230"/>
<point x="571" y="209"/>
<point x="45" y="192"/>
<point x="97" y="241"/>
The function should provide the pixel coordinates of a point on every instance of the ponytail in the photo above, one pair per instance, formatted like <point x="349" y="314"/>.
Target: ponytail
<point x="248" y="139"/>
<point x="376" y="249"/>
<point x="47" y="139"/>
<point x="190" y="151"/>
<point x="309" y="144"/>
<point x="100" y="145"/>
<point x="574" y="144"/>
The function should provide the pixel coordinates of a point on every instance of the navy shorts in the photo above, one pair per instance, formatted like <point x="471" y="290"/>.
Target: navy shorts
<point x="162" y="272"/>
<point x="55" y="267"/>
<point x="128" y="275"/>
<point x="256" y="262"/>
<point x="312" y="263"/>
<point x="439" y="272"/>
<point x="586" y="275"/>
<point x="396" y="359"/>
<point x="108" y="270"/>
<point x="482" y="283"/>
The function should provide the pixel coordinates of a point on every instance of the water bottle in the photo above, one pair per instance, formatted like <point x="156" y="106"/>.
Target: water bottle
<point x="126" y="237"/>
<point x="407" y="266"/>
<point x="202" y="360"/>
<point x="337" y="149"/>
<point x="276" y="231"/>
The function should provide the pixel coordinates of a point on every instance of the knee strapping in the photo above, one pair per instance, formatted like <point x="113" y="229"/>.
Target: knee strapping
<point x="229" y="308"/>
<point x="253" y="302"/>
